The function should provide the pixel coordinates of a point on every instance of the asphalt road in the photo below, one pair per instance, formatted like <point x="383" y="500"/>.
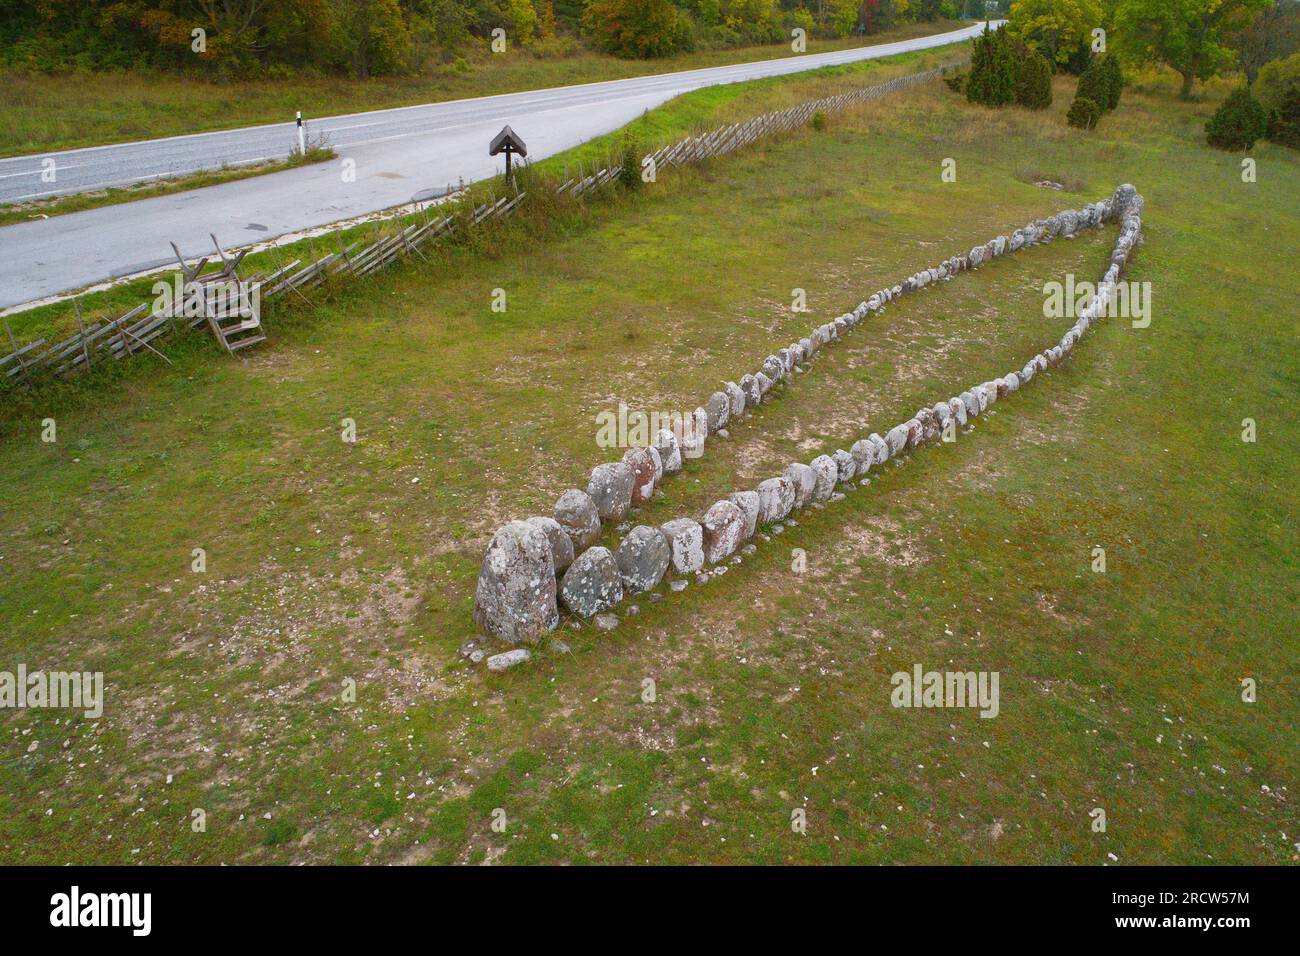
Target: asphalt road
<point x="399" y="155"/>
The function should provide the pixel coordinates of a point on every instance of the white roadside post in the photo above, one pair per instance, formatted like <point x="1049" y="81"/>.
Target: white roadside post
<point x="302" y="144"/>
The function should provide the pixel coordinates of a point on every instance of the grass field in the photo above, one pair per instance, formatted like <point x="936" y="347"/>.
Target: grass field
<point x="328" y="561"/>
<point x="40" y="112"/>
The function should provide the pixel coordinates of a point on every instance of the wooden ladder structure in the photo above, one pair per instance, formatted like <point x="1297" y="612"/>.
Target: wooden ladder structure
<point x="232" y="331"/>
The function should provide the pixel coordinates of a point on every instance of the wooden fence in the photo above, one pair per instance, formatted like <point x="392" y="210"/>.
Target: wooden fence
<point x="103" y="341"/>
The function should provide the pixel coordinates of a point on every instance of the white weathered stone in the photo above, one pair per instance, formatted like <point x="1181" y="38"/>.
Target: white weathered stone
<point x="827" y="474"/>
<point x="686" y="544"/>
<point x="775" y="499"/>
<point x="670" y="454"/>
<point x="748" y="503"/>
<point x="507" y="659"/>
<point x="845" y="466"/>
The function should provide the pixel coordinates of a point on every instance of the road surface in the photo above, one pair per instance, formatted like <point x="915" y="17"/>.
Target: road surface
<point x="399" y="155"/>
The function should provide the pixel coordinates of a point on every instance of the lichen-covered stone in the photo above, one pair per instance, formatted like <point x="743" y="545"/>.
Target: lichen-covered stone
<point x="577" y="515"/>
<point x="864" y="455"/>
<point x="592" y="584"/>
<point x="748" y="503"/>
<point x="845" y="466"/>
<point x="642" y="557"/>
<point x="515" y="598"/>
<point x="643" y="474"/>
<point x="685" y="544"/>
<point x="717" y="411"/>
<point x="827" y="474"/>
<point x="803" y="479"/>
<point x="896" y="439"/>
<point x="775" y="499"/>
<point x="559" y="540"/>
<point x="610" y="488"/>
<point x="724" y="526"/>
<point x="670" y="455"/>
<point x="753" y="395"/>
<point x="507" y="659"/>
<point x="736" y="398"/>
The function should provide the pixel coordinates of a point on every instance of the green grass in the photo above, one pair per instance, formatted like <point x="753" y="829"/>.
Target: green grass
<point x="326" y="561"/>
<point x="40" y="112"/>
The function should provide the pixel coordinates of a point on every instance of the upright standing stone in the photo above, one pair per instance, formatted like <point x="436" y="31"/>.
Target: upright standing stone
<point x="804" y="480"/>
<point x="643" y="474"/>
<point x="559" y="540"/>
<point x="775" y="499"/>
<point x="515" y="599"/>
<point x="642" y="558"/>
<point x="669" y="453"/>
<point x="748" y="503"/>
<point x="611" y="489"/>
<point x="592" y="583"/>
<point x="724" y="528"/>
<point x="577" y="515"/>
<point x="717" y="411"/>
<point x="827" y="473"/>
<point x="686" y="543"/>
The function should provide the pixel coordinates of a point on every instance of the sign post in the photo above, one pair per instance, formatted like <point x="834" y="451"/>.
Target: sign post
<point x="507" y="141"/>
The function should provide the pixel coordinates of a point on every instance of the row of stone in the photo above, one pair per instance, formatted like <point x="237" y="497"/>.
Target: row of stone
<point x="599" y="579"/>
<point x="516" y="598"/>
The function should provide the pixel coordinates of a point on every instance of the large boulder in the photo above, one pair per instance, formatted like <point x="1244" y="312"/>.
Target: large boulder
<point x="592" y="584"/>
<point x="642" y="558"/>
<point x="827" y="473"/>
<point x="749" y="385"/>
<point x="643" y="474"/>
<point x="559" y="540"/>
<point x="610" y="488"/>
<point x="804" y="480"/>
<point x="515" y="599"/>
<point x="748" y="503"/>
<point x="724" y="529"/>
<point x="775" y="499"/>
<point x="577" y="515"/>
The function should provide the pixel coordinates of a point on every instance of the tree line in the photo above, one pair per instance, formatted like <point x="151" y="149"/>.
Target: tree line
<point x="362" y="38"/>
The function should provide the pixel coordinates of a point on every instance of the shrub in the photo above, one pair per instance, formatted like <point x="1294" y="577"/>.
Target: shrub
<point x="1083" y="113"/>
<point x="818" y="121"/>
<point x="956" y="82"/>
<point x="1284" y="123"/>
<point x="992" y="78"/>
<point x="1238" y="122"/>
<point x="1275" y="78"/>
<point x="1094" y="84"/>
<point x="1114" y="77"/>
<point x="1034" y="85"/>
<point x="630" y="161"/>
